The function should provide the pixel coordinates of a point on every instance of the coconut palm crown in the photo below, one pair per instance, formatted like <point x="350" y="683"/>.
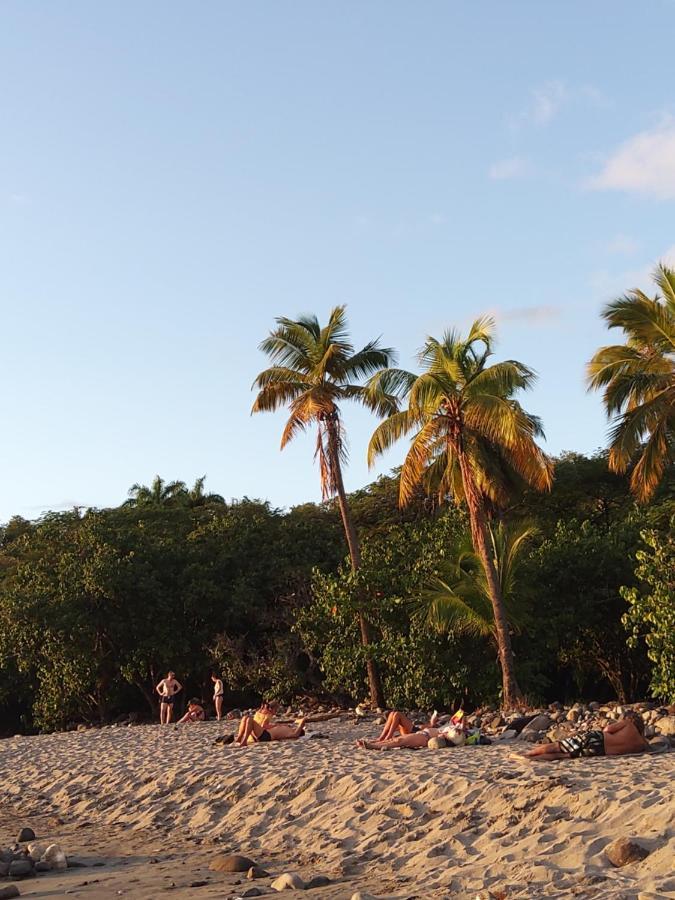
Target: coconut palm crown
<point x="314" y="370"/>
<point x="637" y="379"/>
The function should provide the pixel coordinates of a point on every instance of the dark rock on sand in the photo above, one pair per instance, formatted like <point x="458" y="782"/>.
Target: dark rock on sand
<point x="252" y="892"/>
<point x="539" y="723"/>
<point x="232" y="863"/>
<point x="19" y="868"/>
<point x="317" y="882"/>
<point x="257" y="872"/>
<point x="623" y="852"/>
<point x="42" y="866"/>
<point x="9" y="892"/>
<point x="26" y="834"/>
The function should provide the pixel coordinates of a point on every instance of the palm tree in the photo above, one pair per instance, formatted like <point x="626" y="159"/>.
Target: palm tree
<point x="472" y="441"/>
<point x="458" y="597"/>
<point x="160" y="493"/>
<point x="197" y="496"/>
<point x="638" y="383"/>
<point x="315" y="369"/>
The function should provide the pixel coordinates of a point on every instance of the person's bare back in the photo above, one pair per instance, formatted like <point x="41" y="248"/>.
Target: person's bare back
<point x="623" y="737"/>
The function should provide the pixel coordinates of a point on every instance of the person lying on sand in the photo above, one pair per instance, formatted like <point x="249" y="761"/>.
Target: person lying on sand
<point x="398" y="723"/>
<point x="616" y="739"/>
<point x="414" y="740"/>
<point x="167" y="689"/>
<point x="261" y="718"/>
<point x="195" y="713"/>
<point x="251" y="732"/>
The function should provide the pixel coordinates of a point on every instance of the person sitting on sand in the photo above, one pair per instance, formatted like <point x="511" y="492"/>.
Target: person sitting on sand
<point x="218" y="694"/>
<point x="195" y="712"/>
<point x="615" y="739"/>
<point x="399" y="723"/>
<point x="167" y="689"/>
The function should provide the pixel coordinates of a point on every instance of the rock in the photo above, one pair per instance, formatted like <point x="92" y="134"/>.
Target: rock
<point x="572" y="715"/>
<point x="9" y="892"/>
<point x="198" y="884"/>
<point x="623" y="852"/>
<point x="56" y="858"/>
<point x="508" y="735"/>
<point x="232" y="863"/>
<point x="558" y="733"/>
<point x="251" y="892"/>
<point x="317" y="881"/>
<point x="41" y="866"/>
<point x="496" y="721"/>
<point x="26" y="834"/>
<point x="4" y="868"/>
<point x="437" y="743"/>
<point x="36" y="851"/>
<point x="19" y="868"/>
<point x="534" y="737"/>
<point x="650" y="731"/>
<point x="659" y="744"/>
<point x="594" y="705"/>
<point x="666" y="726"/>
<point x="257" y="872"/>
<point x="289" y="881"/>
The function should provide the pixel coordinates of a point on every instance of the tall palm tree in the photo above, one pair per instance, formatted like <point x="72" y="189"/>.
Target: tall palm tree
<point x="638" y="383"/>
<point x="160" y="493"/>
<point x="197" y="496"/>
<point x="472" y="441"/>
<point x="315" y="369"/>
<point x="458" y="597"/>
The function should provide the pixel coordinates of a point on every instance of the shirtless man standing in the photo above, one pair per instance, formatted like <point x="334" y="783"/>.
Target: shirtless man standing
<point x="167" y="689"/>
<point x="615" y="739"/>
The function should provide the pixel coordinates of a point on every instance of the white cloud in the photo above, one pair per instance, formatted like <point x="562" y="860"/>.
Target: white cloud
<point x="506" y="169"/>
<point x="644" y="164"/>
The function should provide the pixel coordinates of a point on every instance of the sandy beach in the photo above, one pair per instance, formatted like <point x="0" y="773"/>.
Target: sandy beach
<point x="158" y="805"/>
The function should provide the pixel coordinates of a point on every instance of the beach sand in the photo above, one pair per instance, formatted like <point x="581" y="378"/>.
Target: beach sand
<point x="157" y="805"/>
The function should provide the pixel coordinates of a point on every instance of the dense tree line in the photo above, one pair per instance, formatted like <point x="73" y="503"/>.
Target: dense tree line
<point x="95" y="605"/>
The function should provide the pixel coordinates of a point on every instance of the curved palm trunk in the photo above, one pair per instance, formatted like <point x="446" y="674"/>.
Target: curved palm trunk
<point x="511" y="692"/>
<point x="374" y="682"/>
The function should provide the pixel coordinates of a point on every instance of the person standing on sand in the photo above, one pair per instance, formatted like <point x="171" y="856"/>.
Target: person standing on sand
<point x="167" y="689"/>
<point x="218" y="693"/>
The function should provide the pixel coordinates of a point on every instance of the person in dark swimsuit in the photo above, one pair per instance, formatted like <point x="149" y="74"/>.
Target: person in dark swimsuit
<point x="167" y="689"/>
<point x="616" y="739"/>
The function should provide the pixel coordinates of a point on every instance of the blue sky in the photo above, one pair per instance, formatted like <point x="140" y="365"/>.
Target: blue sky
<point x="173" y="176"/>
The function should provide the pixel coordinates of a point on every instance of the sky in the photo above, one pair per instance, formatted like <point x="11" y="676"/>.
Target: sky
<point x="174" y="176"/>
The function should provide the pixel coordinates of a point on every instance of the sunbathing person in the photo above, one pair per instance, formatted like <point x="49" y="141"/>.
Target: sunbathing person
<point x="195" y="713"/>
<point x="257" y="723"/>
<point x="399" y="723"/>
<point x="615" y="739"/>
<point x="251" y="732"/>
<point x="415" y="740"/>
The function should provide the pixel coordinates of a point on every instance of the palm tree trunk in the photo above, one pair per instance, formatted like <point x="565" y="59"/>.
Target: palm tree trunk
<point x="511" y="692"/>
<point x="374" y="681"/>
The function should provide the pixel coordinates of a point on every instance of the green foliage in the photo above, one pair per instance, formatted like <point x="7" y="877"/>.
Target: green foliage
<point x="651" y="613"/>
<point x="577" y="574"/>
<point x="457" y="598"/>
<point x="418" y="666"/>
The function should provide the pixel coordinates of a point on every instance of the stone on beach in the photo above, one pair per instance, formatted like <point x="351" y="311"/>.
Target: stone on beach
<point x="289" y="881"/>
<point x="317" y="881"/>
<point x="623" y="852"/>
<point x="9" y="892"/>
<point x="233" y="862"/>
<point x="56" y="858"/>
<point x="20" y="868"/>
<point x="26" y="834"/>
<point x="666" y="726"/>
<point x="257" y="872"/>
